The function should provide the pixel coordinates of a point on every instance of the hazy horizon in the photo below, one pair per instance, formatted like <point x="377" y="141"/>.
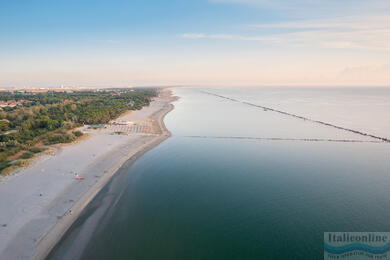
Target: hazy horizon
<point x="206" y="42"/>
<point x="72" y="87"/>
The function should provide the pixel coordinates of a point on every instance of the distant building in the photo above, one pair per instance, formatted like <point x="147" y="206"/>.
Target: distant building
<point x="96" y="127"/>
<point x="122" y="122"/>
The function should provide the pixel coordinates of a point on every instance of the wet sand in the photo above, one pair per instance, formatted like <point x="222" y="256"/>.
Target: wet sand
<point x="40" y="203"/>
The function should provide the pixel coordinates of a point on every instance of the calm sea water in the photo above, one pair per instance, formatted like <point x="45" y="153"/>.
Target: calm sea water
<point x="209" y="193"/>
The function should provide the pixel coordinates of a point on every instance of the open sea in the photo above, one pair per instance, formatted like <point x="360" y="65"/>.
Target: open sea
<point x="247" y="174"/>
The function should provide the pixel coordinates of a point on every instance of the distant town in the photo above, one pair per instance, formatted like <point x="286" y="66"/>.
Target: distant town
<point x="17" y="93"/>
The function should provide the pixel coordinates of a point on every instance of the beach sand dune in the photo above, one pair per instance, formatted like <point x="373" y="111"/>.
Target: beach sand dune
<point x="39" y="203"/>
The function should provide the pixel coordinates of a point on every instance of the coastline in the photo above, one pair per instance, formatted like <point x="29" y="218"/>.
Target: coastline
<point x="37" y="236"/>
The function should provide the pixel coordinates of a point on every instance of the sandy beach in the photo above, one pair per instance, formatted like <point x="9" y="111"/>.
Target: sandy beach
<point x="39" y="203"/>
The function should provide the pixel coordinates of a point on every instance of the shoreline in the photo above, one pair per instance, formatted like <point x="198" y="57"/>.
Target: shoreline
<point x="98" y="210"/>
<point x="134" y="147"/>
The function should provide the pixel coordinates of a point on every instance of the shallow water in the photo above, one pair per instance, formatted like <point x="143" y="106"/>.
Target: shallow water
<point x="229" y="198"/>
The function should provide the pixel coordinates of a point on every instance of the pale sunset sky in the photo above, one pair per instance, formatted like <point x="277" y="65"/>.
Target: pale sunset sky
<point x="49" y="43"/>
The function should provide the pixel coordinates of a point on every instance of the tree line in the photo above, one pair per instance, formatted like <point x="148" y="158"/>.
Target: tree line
<point x="49" y="118"/>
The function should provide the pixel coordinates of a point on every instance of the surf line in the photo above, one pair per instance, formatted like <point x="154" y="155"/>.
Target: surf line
<point x="383" y="139"/>
<point x="283" y="139"/>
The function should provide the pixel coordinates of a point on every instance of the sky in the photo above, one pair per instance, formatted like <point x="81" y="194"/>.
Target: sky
<point x="49" y="43"/>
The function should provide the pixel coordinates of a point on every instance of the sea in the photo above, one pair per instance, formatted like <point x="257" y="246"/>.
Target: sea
<point x="248" y="173"/>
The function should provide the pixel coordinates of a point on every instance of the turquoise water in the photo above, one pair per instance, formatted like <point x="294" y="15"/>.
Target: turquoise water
<point x="223" y="197"/>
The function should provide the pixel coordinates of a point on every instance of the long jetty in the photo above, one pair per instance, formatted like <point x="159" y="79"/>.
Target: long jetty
<point x="383" y="139"/>
<point x="283" y="139"/>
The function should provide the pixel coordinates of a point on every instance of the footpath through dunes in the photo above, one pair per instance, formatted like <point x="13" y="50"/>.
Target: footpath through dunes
<point x="382" y="139"/>
<point x="39" y="203"/>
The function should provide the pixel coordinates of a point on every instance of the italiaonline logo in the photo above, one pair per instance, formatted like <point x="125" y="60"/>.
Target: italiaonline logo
<point x="356" y="245"/>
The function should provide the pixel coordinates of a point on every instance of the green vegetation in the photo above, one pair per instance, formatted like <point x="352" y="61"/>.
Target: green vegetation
<point x="49" y="118"/>
<point x="27" y="155"/>
<point x="77" y="133"/>
<point x="36" y="149"/>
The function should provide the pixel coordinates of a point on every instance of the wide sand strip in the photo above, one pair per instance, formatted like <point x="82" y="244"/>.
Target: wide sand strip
<point x="39" y="203"/>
